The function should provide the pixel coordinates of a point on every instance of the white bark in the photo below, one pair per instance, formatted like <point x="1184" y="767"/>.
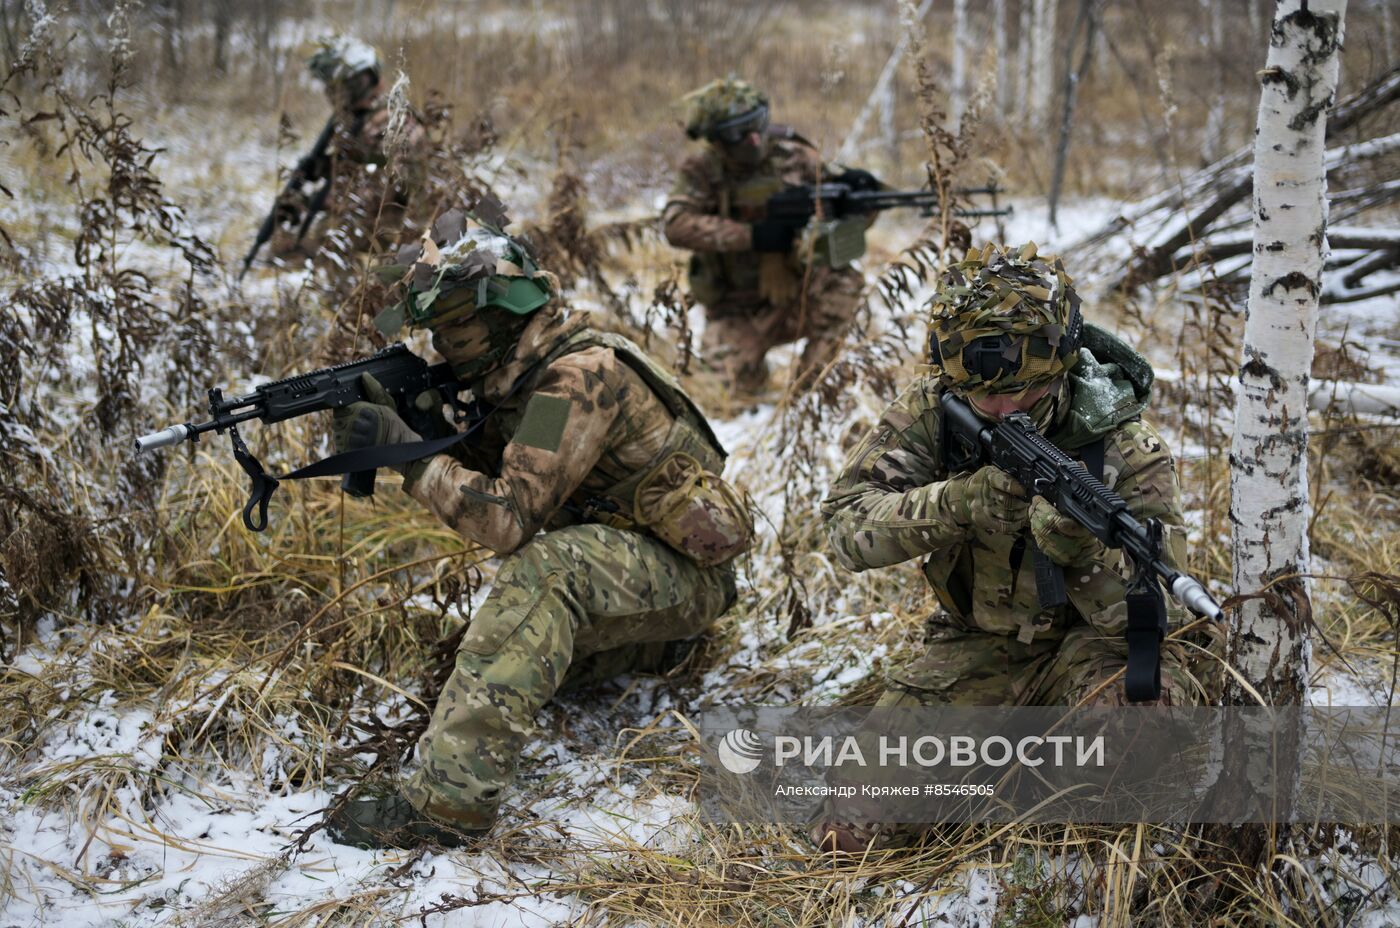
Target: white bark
<point x="881" y="89"/>
<point x="1213" y="142"/>
<point x="1042" y="62"/>
<point x="1385" y="13"/>
<point x="1023" y="72"/>
<point x="957" y="101"/>
<point x="1268" y="473"/>
<point x="1003" y="60"/>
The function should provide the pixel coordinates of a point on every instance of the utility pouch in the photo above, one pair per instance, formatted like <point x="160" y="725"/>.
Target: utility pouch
<point x="706" y="275"/>
<point x="837" y="242"/>
<point x="693" y="510"/>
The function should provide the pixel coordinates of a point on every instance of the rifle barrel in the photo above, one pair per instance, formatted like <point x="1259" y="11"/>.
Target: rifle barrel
<point x="164" y="438"/>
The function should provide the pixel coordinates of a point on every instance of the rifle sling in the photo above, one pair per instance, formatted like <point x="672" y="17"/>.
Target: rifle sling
<point x="1147" y="614"/>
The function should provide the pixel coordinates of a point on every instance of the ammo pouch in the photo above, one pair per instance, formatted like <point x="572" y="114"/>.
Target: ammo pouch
<point x="680" y="501"/>
<point x="835" y="243"/>
<point x="693" y="511"/>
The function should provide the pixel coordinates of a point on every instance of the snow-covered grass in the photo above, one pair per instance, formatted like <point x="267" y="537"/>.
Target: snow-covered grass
<point x="162" y="763"/>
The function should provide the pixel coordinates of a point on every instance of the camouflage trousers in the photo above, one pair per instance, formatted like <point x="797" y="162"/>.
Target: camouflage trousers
<point x="975" y="668"/>
<point x="587" y="598"/>
<point x="737" y="339"/>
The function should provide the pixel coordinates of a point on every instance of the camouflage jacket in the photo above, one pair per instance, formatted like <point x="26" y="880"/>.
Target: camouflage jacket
<point x="888" y="506"/>
<point x="580" y="427"/>
<point x="712" y="204"/>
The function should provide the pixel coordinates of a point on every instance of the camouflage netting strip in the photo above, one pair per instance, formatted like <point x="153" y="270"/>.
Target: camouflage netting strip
<point x="995" y="292"/>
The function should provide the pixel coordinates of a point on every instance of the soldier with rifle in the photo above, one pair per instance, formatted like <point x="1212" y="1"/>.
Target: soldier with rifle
<point x="343" y="175"/>
<point x="580" y="461"/>
<point x="773" y="233"/>
<point x="1045" y="508"/>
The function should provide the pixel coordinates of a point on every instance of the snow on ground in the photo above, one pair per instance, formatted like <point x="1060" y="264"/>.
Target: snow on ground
<point x="161" y="858"/>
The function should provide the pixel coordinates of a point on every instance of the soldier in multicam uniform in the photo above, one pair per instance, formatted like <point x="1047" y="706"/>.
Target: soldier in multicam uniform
<point x="1007" y="335"/>
<point x="361" y="199"/>
<point x="748" y="270"/>
<point x="590" y="441"/>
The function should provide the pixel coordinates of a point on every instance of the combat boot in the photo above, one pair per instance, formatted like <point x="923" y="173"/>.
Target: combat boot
<point x="387" y="819"/>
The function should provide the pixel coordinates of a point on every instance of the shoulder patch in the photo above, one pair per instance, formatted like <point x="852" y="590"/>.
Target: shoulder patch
<point x="543" y="423"/>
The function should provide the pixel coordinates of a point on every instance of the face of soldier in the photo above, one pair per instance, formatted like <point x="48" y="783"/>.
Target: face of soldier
<point x="462" y="341"/>
<point x="1000" y="405"/>
<point x="344" y="94"/>
<point x="743" y="140"/>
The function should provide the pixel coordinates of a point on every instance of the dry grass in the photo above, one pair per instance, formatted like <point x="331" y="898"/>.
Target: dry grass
<point x="301" y="660"/>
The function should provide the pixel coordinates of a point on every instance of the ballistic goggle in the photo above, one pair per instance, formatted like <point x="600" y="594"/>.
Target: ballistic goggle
<point x="735" y="129"/>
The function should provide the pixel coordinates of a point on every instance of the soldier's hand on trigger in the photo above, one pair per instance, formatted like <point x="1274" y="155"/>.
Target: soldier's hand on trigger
<point x="290" y="208"/>
<point x="369" y="424"/>
<point x="990" y="500"/>
<point x="1063" y="540"/>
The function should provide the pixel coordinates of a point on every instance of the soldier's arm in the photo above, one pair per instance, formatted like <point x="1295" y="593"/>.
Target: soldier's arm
<point x="1139" y="467"/>
<point x="889" y="505"/>
<point x="691" y="219"/>
<point x="568" y="419"/>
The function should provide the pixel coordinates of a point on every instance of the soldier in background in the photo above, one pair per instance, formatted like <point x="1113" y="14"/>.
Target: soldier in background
<point x="589" y="440"/>
<point x="747" y="270"/>
<point x="348" y="197"/>
<point x="1007" y="335"/>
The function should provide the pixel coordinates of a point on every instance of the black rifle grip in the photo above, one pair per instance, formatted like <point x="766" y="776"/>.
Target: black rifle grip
<point x="360" y="484"/>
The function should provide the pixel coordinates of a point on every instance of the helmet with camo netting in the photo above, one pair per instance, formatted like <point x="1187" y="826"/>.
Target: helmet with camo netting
<point x="724" y="107"/>
<point x="1003" y="320"/>
<point x="340" y="57"/>
<point x="465" y="263"/>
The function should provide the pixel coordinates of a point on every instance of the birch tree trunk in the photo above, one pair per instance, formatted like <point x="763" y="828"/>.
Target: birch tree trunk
<point x="1087" y="19"/>
<point x="1042" y="87"/>
<point x="1003" y="63"/>
<point x="1213" y="144"/>
<point x="1385" y="13"/>
<point x="957" y="103"/>
<point x="1023" y="60"/>
<point x="1268" y="474"/>
<point x="1269" y="644"/>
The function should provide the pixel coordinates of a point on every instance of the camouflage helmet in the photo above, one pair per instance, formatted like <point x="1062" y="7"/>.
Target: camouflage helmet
<point x="340" y="57"/>
<point x="464" y="263"/>
<point x="1002" y="320"/>
<point x="721" y="104"/>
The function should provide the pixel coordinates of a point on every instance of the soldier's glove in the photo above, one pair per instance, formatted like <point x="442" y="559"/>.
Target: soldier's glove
<point x="374" y="423"/>
<point x="1063" y="540"/>
<point x="857" y="179"/>
<point x="988" y="499"/>
<point x="290" y="207"/>
<point x="773" y="235"/>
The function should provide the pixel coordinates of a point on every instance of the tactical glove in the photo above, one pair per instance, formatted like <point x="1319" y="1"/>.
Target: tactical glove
<point x="773" y="235"/>
<point x="1063" y="540"/>
<point x="987" y="499"/>
<point x="374" y="423"/>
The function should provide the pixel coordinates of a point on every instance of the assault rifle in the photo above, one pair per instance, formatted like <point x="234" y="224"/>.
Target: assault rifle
<point x="837" y="201"/>
<point x="304" y="171"/>
<point x="399" y="371"/>
<point x="1015" y="446"/>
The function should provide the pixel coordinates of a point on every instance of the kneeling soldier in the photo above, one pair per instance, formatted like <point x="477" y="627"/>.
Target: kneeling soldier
<point x="590" y="441"/>
<point x="1007" y="336"/>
